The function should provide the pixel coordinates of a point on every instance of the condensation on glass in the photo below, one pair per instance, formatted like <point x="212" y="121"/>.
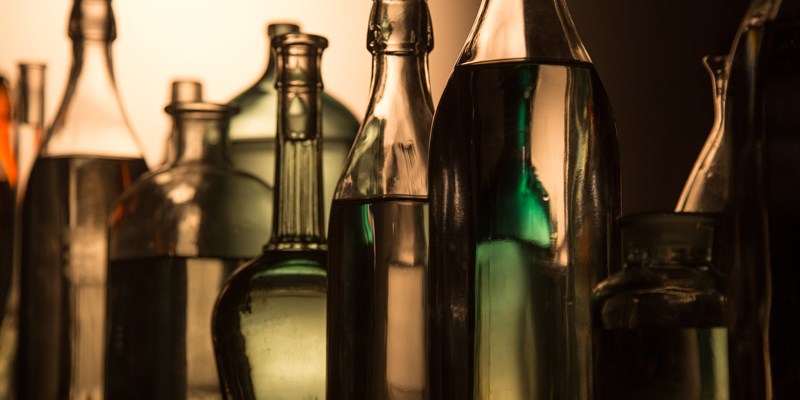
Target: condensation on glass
<point x="174" y="238"/>
<point x="524" y="194"/>
<point x="253" y="129"/>
<point x="89" y="156"/>
<point x="378" y="228"/>
<point x="269" y="321"/>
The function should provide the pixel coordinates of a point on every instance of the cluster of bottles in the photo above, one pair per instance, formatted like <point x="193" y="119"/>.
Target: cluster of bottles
<point x="470" y="254"/>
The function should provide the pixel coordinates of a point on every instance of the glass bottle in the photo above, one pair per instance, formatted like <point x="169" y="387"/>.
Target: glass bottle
<point x="661" y="321"/>
<point x="7" y="237"/>
<point x="253" y="129"/>
<point x="174" y="238"/>
<point x="28" y="119"/>
<point x="269" y="321"/>
<point x="706" y="190"/>
<point x="378" y="248"/>
<point x="89" y="156"/>
<point x="762" y="216"/>
<point x="181" y="91"/>
<point x="8" y="177"/>
<point x="524" y="193"/>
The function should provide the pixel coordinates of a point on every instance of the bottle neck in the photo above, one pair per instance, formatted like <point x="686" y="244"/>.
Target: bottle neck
<point x="298" y="221"/>
<point x="539" y="30"/>
<point x="202" y="138"/>
<point x="399" y="84"/>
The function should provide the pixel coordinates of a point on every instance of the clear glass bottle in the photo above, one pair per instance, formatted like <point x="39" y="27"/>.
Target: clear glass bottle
<point x="661" y="321"/>
<point x="762" y="214"/>
<point x="378" y="247"/>
<point x="253" y="129"/>
<point x="524" y="194"/>
<point x="181" y="91"/>
<point x="7" y="237"/>
<point x="269" y="321"/>
<point x="88" y="158"/>
<point x="28" y="119"/>
<point x="174" y="238"/>
<point x="706" y="190"/>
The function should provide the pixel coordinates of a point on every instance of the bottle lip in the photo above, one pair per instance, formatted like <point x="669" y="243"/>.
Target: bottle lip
<point x="279" y="28"/>
<point x="667" y="238"/>
<point x="26" y="65"/>
<point x="388" y="31"/>
<point x="204" y="108"/>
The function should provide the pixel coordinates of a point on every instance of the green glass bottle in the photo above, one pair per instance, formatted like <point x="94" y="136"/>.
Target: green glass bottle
<point x="268" y="326"/>
<point x="253" y="129"/>
<point x="524" y="195"/>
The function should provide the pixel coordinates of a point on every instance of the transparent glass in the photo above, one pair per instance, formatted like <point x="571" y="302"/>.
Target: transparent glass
<point x="174" y="238"/>
<point x="524" y="193"/>
<point x="706" y="190"/>
<point x="28" y="119"/>
<point x="253" y="129"/>
<point x="8" y="306"/>
<point x="661" y="322"/>
<point x="89" y="156"/>
<point x="378" y="247"/>
<point x="762" y="214"/>
<point x="181" y="91"/>
<point x="268" y="325"/>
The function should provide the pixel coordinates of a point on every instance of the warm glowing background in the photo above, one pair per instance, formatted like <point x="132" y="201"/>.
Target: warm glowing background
<point x="222" y="43"/>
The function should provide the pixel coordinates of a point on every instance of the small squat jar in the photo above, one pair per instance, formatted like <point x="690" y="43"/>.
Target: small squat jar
<point x="660" y="324"/>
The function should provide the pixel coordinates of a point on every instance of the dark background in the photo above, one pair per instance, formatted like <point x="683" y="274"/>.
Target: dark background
<point x="648" y="54"/>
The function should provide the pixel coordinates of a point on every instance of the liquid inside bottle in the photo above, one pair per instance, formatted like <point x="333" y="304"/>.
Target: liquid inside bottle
<point x="63" y="318"/>
<point x="159" y="318"/>
<point x="520" y="219"/>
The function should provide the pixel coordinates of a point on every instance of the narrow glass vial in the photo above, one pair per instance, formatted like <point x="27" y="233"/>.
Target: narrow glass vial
<point x="253" y="129"/>
<point x="378" y="241"/>
<point x="706" y="190"/>
<point x="763" y="215"/>
<point x="181" y="91"/>
<point x="269" y="321"/>
<point x="524" y="193"/>
<point x="89" y="157"/>
<point x="174" y="238"/>
<point x="661" y="321"/>
<point x="28" y="119"/>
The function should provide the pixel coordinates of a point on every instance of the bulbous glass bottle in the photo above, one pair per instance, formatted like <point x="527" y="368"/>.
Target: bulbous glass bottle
<point x="269" y="321"/>
<point x="174" y="238"/>
<point x="253" y="129"/>
<point x="378" y="248"/>
<point x="89" y="157"/>
<point x="661" y="321"/>
<point x="524" y="194"/>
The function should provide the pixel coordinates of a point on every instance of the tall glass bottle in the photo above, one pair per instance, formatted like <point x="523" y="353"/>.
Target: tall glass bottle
<point x="378" y="250"/>
<point x="87" y="159"/>
<point x="269" y="321"/>
<point x="661" y="321"/>
<point x="763" y="214"/>
<point x="253" y="129"/>
<point x="524" y="192"/>
<point x="174" y="238"/>
<point x="28" y="119"/>
<point x="706" y="190"/>
<point x="181" y="91"/>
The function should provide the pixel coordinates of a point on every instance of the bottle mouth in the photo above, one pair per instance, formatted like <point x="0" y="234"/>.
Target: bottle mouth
<point x="298" y="57"/>
<point x="201" y="110"/>
<point x="92" y="20"/>
<point x="400" y="27"/>
<point x="667" y="238"/>
<point x="281" y="28"/>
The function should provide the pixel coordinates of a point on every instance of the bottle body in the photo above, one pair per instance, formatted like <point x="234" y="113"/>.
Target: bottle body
<point x="63" y="283"/>
<point x="523" y="171"/>
<point x="761" y="215"/>
<point x="269" y="328"/>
